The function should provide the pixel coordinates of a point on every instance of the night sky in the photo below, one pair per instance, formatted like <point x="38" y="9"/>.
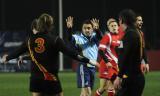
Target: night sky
<point x="18" y="14"/>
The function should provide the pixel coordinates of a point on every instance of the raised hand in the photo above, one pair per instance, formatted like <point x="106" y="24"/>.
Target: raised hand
<point x="4" y="58"/>
<point x="95" y="63"/>
<point x="95" y="23"/>
<point x="20" y="61"/>
<point x="69" y="22"/>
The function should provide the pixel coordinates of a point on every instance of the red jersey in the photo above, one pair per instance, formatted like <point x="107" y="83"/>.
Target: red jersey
<point x="120" y="33"/>
<point x="108" y="44"/>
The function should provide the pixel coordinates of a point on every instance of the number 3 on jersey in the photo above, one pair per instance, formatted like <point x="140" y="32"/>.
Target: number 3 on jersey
<point x="40" y="45"/>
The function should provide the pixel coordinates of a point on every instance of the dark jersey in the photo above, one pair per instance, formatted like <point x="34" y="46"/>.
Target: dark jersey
<point x="144" y="49"/>
<point x="44" y="50"/>
<point x="131" y="55"/>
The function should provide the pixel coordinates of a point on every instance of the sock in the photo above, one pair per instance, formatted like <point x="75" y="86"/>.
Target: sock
<point x="111" y="92"/>
<point x="98" y="93"/>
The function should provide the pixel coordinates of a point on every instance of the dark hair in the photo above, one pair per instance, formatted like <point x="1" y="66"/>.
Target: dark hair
<point x="87" y="22"/>
<point x="34" y="24"/>
<point x="45" y="23"/>
<point x="128" y="17"/>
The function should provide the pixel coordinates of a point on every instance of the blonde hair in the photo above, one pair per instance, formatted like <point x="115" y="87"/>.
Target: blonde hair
<point x="110" y="20"/>
<point x="34" y="24"/>
<point x="45" y="23"/>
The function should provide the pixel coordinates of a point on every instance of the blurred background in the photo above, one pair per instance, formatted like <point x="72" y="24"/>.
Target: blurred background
<point x="15" y="20"/>
<point x="16" y="17"/>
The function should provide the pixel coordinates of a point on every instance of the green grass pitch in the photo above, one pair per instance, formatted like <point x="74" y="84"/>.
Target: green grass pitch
<point x="17" y="84"/>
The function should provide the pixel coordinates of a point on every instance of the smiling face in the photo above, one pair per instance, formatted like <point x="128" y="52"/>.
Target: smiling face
<point x="87" y="29"/>
<point x="139" y="22"/>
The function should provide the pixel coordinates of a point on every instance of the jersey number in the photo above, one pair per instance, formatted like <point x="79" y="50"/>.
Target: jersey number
<point x="40" y="45"/>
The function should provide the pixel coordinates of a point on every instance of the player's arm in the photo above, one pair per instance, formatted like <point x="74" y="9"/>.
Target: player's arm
<point x="69" y="32"/>
<point x="95" y="23"/>
<point x="69" y="29"/>
<point x="144" y="63"/>
<point x="26" y="57"/>
<point x="145" y="56"/>
<point x="69" y="35"/>
<point x="72" y="53"/>
<point x="23" y="57"/>
<point x="144" y="50"/>
<point x="15" y="54"/>
<point x="99" y="34"/>
<point x="102" y="48"/>
<point x="102" y="54"/>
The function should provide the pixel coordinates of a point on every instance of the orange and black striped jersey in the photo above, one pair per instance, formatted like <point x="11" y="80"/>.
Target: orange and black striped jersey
<point x="44" y="50"/>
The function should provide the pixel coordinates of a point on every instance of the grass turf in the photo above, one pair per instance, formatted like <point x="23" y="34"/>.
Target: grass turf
<point x="17" y="84"/>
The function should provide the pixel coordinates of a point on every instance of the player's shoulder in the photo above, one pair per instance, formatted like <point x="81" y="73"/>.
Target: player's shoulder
<point x="52" y="38"/>
<point x="77" y="34"/>
<point x="107" y="35"/>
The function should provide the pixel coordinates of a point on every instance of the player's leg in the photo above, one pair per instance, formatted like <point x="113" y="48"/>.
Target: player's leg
<point x="110" y="88"/>
<point x="138" y="85"/>
<point x="112" y="74"/>
<point x="101" y="88"/>
<point x="35" y="86"/>
<point x="89" y="91"/>
<point x="91" y="79"/>
<point x="40" y="87"/>
<point x="83" y="80"/>
<point x="102" y="75"/>
<point x="85" y="91"/>
<point x="36" y="94"/>
<point x="45" y="94"/>
<point x="59" y="94"/>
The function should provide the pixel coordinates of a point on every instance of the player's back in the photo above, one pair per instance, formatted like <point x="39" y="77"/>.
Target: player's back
<point x="45" y="52"/>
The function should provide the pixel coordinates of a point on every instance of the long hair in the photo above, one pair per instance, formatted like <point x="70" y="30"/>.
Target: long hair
<point x="34" y="24"/>
<point x="45" y="23"/>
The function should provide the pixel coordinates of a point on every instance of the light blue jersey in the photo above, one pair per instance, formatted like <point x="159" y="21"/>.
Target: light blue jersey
<point x="89" y="46"/>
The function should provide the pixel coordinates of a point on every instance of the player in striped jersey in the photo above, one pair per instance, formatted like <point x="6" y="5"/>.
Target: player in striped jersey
<point x="108" y="59"/>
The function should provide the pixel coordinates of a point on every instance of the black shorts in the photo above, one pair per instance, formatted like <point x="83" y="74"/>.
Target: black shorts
<point x="132" y="86"/>
<point x="45" y="86"/>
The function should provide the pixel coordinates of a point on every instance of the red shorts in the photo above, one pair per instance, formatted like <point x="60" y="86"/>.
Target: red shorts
<point x="108" y="73"/>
